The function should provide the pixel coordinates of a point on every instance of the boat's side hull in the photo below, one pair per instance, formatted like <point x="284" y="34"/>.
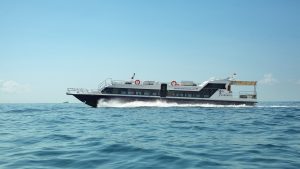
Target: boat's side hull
<point x="92" y="100"/>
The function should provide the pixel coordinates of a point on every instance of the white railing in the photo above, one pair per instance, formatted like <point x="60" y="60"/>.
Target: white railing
<point x="247" y="95"/>
<point x="82" y="91"/>
<point x="118" y="82"/>
<point x="105" y="83"/>
<point x="109" y="82"/>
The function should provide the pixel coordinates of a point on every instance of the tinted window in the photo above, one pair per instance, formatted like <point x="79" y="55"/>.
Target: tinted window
<point x="215" y="85"/>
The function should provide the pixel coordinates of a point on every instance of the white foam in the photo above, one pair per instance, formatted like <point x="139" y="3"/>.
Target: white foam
<point x="277" y="106"/>
<point x="116" y="103"/>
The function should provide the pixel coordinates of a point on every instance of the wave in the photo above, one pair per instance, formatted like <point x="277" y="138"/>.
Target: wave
<point x="25" y="110"/>
<point x="119" y="104"/>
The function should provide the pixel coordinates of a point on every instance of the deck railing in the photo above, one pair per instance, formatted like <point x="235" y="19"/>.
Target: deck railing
<point x="105" y="83"/>
<point x="247" y="95"/>
<point x="82" y="91"/>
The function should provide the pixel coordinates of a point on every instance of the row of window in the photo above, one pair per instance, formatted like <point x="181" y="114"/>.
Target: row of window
<point x="130" y="91"/>
<point x="204" y="93"/>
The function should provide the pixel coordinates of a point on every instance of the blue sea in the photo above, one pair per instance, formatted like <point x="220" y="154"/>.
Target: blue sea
<point x="142" y="135"/>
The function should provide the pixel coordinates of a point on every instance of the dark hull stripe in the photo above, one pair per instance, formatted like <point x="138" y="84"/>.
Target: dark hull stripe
<point x="92" y="100"/>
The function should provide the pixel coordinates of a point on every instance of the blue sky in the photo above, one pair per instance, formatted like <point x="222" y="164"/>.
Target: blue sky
<point x="48" y="46"/>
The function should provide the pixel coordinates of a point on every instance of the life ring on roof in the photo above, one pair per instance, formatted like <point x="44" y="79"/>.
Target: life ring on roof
<point x="174" y="83"/>
<point x="137" y="82"/>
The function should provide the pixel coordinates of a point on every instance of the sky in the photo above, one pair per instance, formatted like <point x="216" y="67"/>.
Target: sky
<point x="49" y="46"/>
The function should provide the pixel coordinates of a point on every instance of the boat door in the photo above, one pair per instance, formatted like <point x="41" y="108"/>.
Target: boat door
<point x="163" y="90"/>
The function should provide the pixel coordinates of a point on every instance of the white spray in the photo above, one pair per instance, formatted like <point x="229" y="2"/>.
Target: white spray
<point x="116" y="103"/>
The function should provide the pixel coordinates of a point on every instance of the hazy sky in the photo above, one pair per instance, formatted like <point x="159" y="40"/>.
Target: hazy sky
<point x="48" y="46"/>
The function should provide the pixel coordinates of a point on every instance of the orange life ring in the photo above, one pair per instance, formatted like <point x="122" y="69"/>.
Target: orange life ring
<point x="137" y="82"/>
<point x="174" y="83"/>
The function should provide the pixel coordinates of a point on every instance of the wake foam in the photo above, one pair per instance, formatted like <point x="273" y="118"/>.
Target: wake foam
<point x="115" y="103"/>
<point x="277" y="106"/>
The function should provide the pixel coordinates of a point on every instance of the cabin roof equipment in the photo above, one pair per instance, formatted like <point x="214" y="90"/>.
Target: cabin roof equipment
<point x="243" y="83"/>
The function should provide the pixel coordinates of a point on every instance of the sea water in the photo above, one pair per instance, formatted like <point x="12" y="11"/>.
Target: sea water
<point x="149" y="135"/>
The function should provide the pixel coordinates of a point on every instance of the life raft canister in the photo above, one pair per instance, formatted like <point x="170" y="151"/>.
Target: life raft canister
<point x="174" y="83"/>
<point x="137" y="82"/>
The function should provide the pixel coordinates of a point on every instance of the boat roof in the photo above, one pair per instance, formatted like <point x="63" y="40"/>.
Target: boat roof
<point x="179" y="86"/>
<point x="243" y="83"/>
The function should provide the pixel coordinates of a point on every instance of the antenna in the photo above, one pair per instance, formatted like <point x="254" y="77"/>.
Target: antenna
<point x="133" y="76"/>
<point x="233" y="76"/>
